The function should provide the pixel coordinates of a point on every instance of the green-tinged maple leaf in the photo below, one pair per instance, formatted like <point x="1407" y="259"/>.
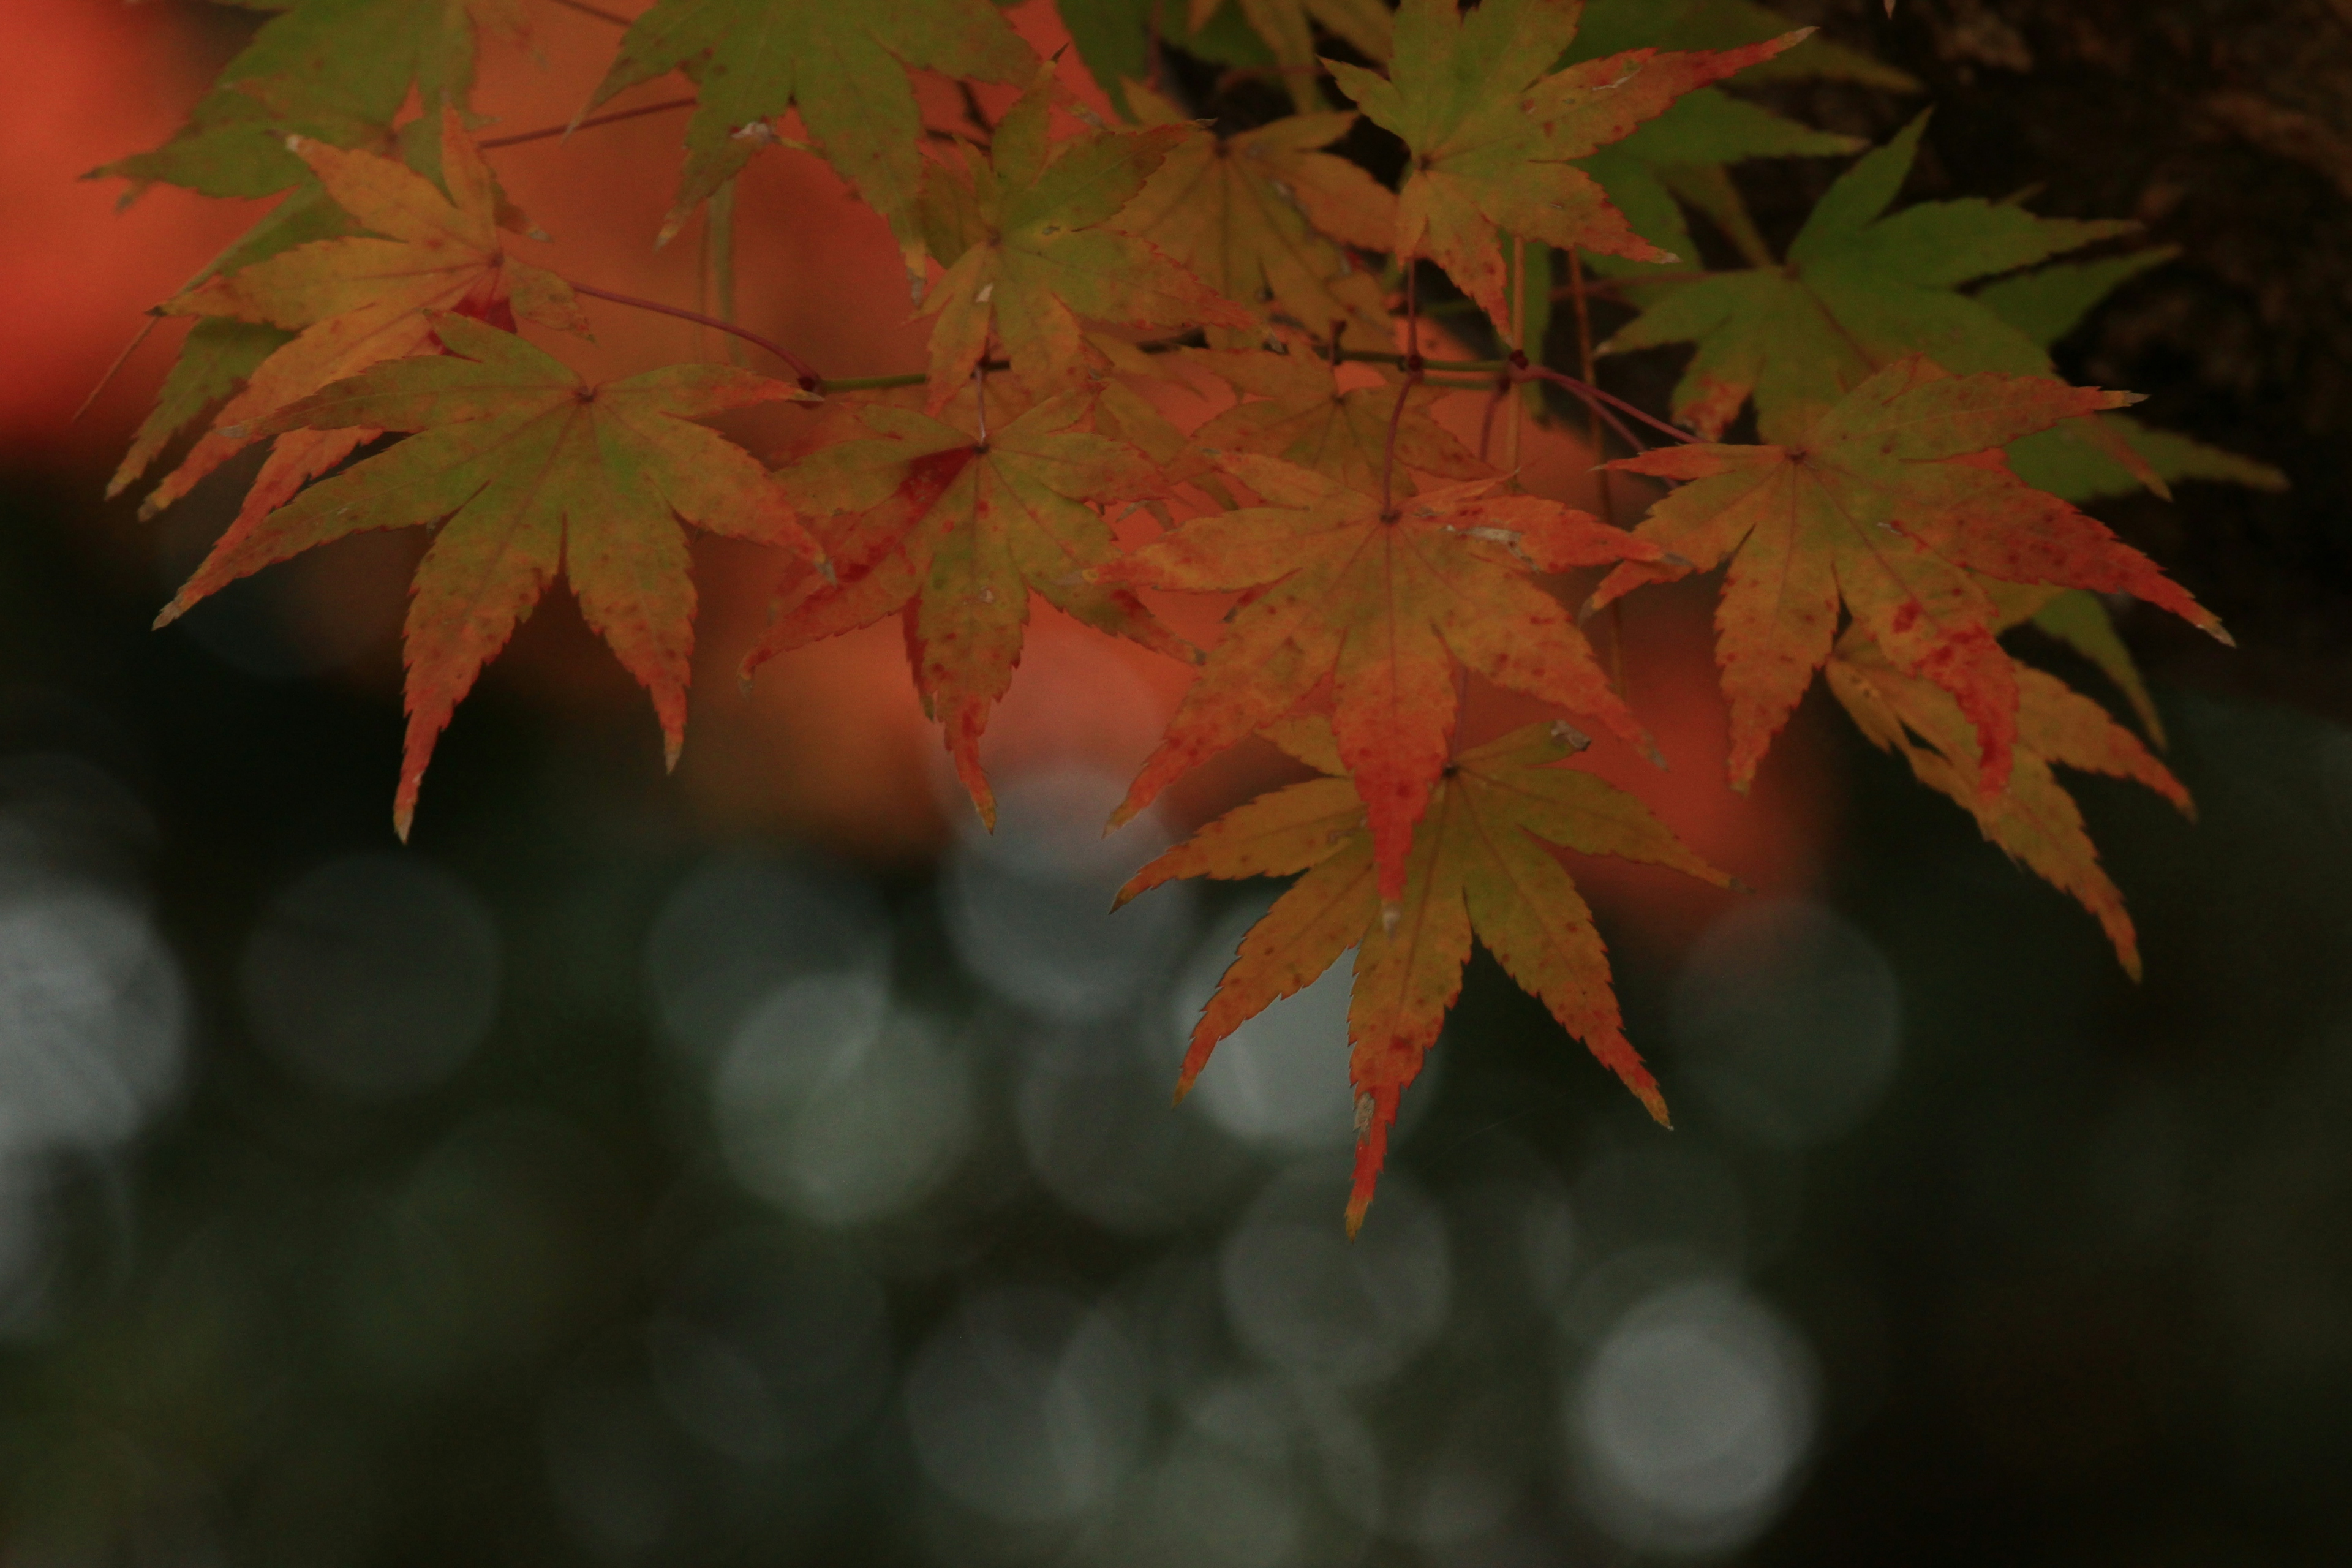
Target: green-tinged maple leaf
<point x="956" y="518"/>
<point x="2045" y="305"/>
<point x="1254" y="217"/>
<point x="1023" y="234"/>
<point x="1684" y="153"/>
<point x="217" y="356"/>
<point x="220" y="353"/>
<point x="329" y="71"/>
<point x="1611" y="25"/>
<point x="2033" y="818"/>
<point x="356" y="301"/>
<point x="522" y="470"/>
<point x="1860" y="290"/>
<point x="1492" y="129"/>
<point x="1383" y="605"/>
<point x="842" y="66"/>
<point x="1887" y="503"/>
<point x="1288" y="28"/>
<point x="1481" y="863"/>
<point x="1292" y="408"/>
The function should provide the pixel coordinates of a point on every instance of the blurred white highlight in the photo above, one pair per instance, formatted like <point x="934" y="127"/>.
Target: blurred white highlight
<point x="1323" y="1309"/>
<point x="1026" y="1406"/>
<point x="1280" y="1081"/>
<point x="833" y="1105"/>
<point x="1688" y="1427"/>
<point x="1788" y="1022"/>
<point x="1028" y="908"/>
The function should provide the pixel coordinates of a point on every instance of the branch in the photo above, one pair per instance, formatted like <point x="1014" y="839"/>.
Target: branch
<point x="810" y="380"/>
<point x="596" y="11"/>
<point x="1592" y="394"/>
<point x="1413" y="369"/>
<point x="543" y="132"/>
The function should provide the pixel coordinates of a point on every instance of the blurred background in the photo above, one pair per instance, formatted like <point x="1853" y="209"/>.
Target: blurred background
<point x="762" y="1166"/>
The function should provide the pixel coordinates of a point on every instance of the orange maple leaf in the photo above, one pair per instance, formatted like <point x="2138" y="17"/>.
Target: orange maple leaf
<point x="2033" y="818"/>
<point x="1383" y="603"/>
<point x="357" y="301"/>
<point x="1896" y="495"/>
<point x="523" y="469"/>
<point x="1255" y="214"/>
<point x="956" y="518"/>
<point x="1479" y="864"/>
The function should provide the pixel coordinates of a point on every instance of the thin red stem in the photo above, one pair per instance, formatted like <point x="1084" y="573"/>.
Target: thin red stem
<point x="596" y="11"/>
<point x="1607" y="497"/>
<point x="1592" y="394"/>
<point x="810" y="380"/>
<point x="544" y="132"/>
<point x="1413" y="369"/>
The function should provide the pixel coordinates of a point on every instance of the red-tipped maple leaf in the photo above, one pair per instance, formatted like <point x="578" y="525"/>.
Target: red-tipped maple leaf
<point x="1023" y="236"/>
<point x="2035" y="819"/>
<point x="357" y="301"/>
<point x="956" y="518"/>
<point x="1479" y="864"/>
<point x="1492" y="128"/>
<point x="523" y="469"/>
<point x="1384" y="605"/>
<point x="1895" y="495"/>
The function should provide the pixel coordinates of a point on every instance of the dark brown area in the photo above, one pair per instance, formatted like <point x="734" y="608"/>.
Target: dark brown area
<point x="2226" y="127"/>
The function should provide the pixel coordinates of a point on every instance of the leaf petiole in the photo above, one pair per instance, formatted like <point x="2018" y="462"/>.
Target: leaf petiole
<point x="811" y="380"/>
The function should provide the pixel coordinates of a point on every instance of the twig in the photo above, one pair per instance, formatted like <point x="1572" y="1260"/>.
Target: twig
<point x="115" y="369"/>
<point x="1590" y="392"/>
<point x="810" y="380"/>
<point x="545" y="131"/>
<point x="596" y="11"/>
<point x="1608" y="502"/>
<point x="1518" y="352"/>
<point x="1413" y="369"/>
<point x="1503" y="388"/>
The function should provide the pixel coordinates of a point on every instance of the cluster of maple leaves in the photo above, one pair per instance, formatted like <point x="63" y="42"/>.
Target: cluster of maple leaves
<point x="1910" y="495"/>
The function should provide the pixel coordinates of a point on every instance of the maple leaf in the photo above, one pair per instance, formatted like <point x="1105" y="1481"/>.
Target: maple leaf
<point x="1249" y="213"/>
<point x="1684" y="152"/>
<point x="1288" y="28"/>
<point x="1479" y="864"/>
<point x="2033" y="818"/>
<point x="1886" y="504"/>
<point x="1382" y="602"/>
<point x="842" y="66"/>
<point x="1293" y="409"/>
<point x="355" y="302"/>
<point x="1492" y="128"/>
<point x="522" y="470"/>
<point x="956" y="520"/>
<point x="2067" y="461"/>
<point x="1611" y="25"/>
<point x="1023" y="235"/>
<point x="1860" y="290"/>
<point x="2081" y="619"/>
<point x="331" y="70"/>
